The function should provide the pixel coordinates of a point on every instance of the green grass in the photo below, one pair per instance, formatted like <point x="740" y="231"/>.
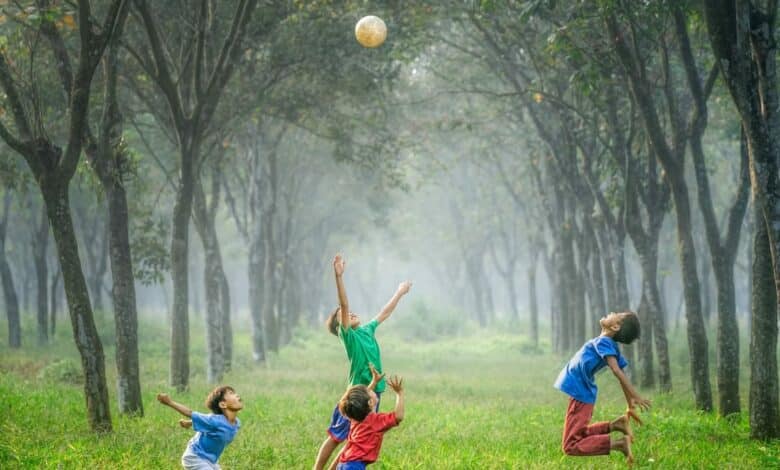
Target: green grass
<point x="476" y="402"/>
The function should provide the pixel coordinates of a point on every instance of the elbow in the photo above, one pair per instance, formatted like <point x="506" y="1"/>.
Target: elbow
<point x="399" y="418"/>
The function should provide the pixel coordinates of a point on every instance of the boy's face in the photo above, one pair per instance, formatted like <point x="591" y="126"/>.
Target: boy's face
<point x="372" y="400"/>
<point x="612" y="321"/>
<point x="231" y="401"/>
<point x="354" y="320"/>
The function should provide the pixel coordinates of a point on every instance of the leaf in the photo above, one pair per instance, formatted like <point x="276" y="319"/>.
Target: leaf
<point x="68" y="21"/>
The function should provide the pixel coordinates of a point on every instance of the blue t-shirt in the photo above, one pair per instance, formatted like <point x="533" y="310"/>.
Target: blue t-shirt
<point x="577" y="378"/>
<point x="214" y="432"/>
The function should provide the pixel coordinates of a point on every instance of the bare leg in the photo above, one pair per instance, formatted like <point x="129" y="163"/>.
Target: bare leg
<point x="623" y="445"/>
<point x="326" y="449"/>
<point x="621" y="424"/>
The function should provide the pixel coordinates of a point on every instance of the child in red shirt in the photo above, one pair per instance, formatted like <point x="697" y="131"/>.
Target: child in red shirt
<point x="366" y="426"/>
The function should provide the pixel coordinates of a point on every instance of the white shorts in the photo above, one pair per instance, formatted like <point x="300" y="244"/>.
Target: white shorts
<point x="192" y="461"/>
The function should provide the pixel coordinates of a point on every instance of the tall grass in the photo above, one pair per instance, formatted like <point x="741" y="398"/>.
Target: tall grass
<point x="480" y="400"/>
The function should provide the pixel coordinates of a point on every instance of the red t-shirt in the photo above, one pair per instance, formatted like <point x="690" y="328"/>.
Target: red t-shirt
<point x="365" y="437"/>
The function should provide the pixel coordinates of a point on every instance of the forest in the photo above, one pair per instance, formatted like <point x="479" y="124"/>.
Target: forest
<point x="177" y="178"/>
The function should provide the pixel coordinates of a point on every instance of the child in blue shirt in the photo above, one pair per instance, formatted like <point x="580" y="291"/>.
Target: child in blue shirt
<point x="577" y="380"/>
<point x="214" y="430"/>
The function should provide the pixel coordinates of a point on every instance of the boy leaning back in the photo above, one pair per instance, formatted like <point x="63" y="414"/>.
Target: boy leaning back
<point x="362" y="350"/>
<point x="577" y="380"/>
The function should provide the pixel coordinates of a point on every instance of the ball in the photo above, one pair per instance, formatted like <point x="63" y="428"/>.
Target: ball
<point x="370" y="31"/>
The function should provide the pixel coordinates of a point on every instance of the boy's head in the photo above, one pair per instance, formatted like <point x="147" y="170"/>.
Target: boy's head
<point x="334" y="318"/>
<point x="223" y="398"/>
<point x="622" y="326"/>
<point x="358" y="402"/>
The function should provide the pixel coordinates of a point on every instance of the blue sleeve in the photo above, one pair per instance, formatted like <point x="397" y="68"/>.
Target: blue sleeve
<point x="203" y="422"/>
<point x="608" y="347"/>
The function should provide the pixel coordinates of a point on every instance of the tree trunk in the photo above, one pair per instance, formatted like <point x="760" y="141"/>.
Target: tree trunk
<point x="9" y="292"/>
<point x="84" y="332"/>
<point x="596" y="292"/>
<point x="180" y="327"/>
<point x="509" y="282"/>
<point x="256" y="288"/>
<point x="212" y="277"/>
<point x="227" y="328"/>
<point x="567" y="272"/>
<point x="659" y="336"/>
<point x="579" y="277"/>
<point x="533" y="307"/>
<point x="40" y="245"/>
<point x="123" y="296"/>
<point x="697" y="335"/>
<point x="706" y="294"/>
<point x="99" y="275"/>
<point x="764" y="414"/>
<point x="651" y="298"/>
<point x="54" y="291"/>
<point x="645" y="346"/>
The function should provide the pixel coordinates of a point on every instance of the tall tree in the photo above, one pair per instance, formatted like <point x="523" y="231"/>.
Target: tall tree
<point x="40" y="245"/>
<point x="743" y="39"/>
<point x="53" y="168"/>
<point x="670" y="154"/>
<point x="9" y="291"/>
<point x="192" y="88"/>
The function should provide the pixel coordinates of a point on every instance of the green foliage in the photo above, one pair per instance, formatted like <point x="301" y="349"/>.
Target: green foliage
<point x="66" y="371"/>
<point x="149" y="245"/>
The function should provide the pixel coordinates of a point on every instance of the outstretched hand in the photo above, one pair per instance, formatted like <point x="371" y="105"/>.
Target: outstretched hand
<point x="338" y="264"/>
<point x="396" y="383"/>
<point x="642" y="403"/>
<point x="403" y="288"/>
<point x="375" y="375"/>
<point x="164" y="398"/>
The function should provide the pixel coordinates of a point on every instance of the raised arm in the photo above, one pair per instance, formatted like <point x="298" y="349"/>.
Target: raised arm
<point x="375" y="377"/>
<point x="632" y="396"/>
<point x="397" y="384"/>
<point x="338" y="269"/>
<point x="166" y="400"/>
<point x="402" y="290"/>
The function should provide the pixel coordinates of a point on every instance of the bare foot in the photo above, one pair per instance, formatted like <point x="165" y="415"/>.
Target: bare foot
<point x="624" y="445"/>
<point x="622" y="424"/>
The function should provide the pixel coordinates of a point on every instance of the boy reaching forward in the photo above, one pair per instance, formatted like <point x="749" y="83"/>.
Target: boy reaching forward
<point x="362" y="349"/>
<point x="577" y="380"/>
<point x="214" y="431"/>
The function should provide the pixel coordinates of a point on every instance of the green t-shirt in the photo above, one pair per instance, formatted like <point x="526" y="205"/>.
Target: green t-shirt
<point x="362" y="348"/>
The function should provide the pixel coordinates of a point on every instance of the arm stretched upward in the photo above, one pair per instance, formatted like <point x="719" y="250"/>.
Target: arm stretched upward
<point x="338" y="269"/>
<point x="387" y="310"/>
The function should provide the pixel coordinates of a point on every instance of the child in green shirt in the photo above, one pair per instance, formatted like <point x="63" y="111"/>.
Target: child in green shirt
<point x="362" y="350"/>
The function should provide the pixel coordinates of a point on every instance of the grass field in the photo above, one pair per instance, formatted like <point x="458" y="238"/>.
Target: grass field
<point x="482" y="401"/>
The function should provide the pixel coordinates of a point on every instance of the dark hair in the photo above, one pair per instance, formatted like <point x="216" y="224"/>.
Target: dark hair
<point x="332" y="323"/>
<point x="629" y="329"/>
<point x="355" y="403"/>
<point x="216" y="396"/>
